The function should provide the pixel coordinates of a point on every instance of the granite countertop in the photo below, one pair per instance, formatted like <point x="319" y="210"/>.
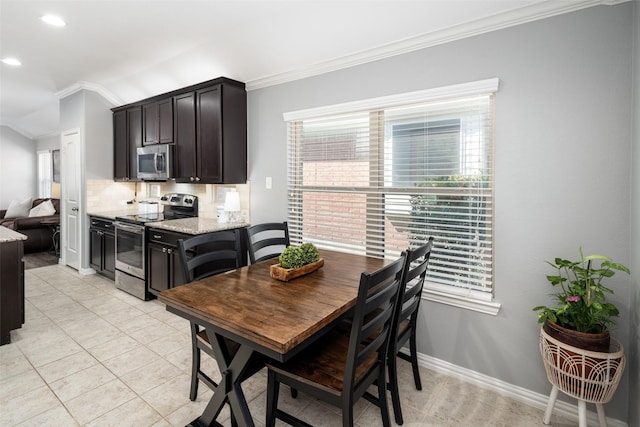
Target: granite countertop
<point x="8" y="235"/>
<point x="196" y="225"/>
<point x="113" y="214"/>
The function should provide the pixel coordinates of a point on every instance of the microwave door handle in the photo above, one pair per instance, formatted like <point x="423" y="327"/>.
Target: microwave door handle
<point x="155" y="162"/>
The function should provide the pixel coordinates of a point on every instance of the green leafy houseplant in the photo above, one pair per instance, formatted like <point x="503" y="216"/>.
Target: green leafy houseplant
<point x="298" y="256"/>
<point x="581" y="299"/>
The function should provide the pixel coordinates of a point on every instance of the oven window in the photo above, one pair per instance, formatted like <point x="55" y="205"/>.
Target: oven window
<point x="129" y="248"/>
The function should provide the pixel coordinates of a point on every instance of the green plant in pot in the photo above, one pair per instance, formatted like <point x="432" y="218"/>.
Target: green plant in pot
<point x="298" y="256"/>
<point x="582" y="316"/>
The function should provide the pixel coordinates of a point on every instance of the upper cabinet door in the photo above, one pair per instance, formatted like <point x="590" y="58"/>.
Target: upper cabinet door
<point x="209" y="135"/>
<point x="157" y="118"/>
<point x="134" y="139"/>
<point x="120" y="147"/>
<point x="150" y="124"/>
<point x="165" y="121"/>
<point x="127" y="137"/>
<point x="184" y="129"/>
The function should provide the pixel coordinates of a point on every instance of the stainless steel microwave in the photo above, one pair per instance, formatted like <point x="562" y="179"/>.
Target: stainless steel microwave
<point x="155" y="162"/>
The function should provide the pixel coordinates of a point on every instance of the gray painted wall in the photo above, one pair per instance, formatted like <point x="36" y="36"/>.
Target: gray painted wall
<point x="634" y="333"/>
<point x="50" y="142"/>
<point x="99" y="136"/>
<point x="18" y="167"/>
<point x="89" y="112"/>
<point x="563" y="175"/>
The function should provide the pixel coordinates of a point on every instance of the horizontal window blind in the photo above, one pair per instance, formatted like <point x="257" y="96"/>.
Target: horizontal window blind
<point x="380" y="180"/>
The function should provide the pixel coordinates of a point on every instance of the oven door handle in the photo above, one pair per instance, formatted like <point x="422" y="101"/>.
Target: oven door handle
<point x="131" y="228"/>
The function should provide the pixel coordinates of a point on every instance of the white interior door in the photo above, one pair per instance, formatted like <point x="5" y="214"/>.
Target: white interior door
<point x="71" y="198"/>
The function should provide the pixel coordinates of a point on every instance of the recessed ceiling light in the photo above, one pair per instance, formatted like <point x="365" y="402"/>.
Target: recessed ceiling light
<point x="53" y="20"/>
<point x="11" y="61"/>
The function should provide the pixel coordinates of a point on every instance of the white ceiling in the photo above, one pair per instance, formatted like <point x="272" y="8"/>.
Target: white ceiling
<point x="131" y="50"/>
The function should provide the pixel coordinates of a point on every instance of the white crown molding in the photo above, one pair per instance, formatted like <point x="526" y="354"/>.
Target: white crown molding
<point x="19" y="130"/>
<point x="78" y="86"/>
<point x="521" y="394"/>
<point x="518" y="16"/>
<point x="28" y="134"/>
<point x="427" y="95"/>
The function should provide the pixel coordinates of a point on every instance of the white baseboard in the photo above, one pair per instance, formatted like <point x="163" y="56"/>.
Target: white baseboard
<point x="520" y="394"/>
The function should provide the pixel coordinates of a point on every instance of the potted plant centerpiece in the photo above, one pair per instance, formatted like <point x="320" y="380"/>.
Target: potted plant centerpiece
<point x="582" y="316"/>
<point x="296" y="261"/>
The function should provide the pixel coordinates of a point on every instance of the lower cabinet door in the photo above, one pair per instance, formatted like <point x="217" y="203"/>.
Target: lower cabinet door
<point x="158" y="278"/>
<point x="109" y="258"/>
<point x="95" y="250"/>
<point x="176" y="269"/>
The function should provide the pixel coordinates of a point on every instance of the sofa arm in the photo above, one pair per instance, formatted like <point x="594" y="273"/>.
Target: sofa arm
<point x="3" y="212"/>
<point x="32" y="222"/>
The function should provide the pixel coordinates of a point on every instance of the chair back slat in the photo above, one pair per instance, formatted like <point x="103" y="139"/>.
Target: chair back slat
<point x="415" y="271"/>
<point x="208" y="254"/>
<point x="372" y="321"/>
<point x="267" y="240"/>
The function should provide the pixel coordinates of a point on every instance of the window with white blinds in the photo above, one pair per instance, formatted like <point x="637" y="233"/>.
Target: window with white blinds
<point x="378" y="176"/>
<point x="44" y="174"/>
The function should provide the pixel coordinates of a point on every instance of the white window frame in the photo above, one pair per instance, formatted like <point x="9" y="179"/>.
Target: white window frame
<point x="459" y="297"/>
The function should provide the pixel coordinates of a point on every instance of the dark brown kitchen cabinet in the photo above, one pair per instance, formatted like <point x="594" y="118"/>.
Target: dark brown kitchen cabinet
<point x="11" y="289"/>
<point x="163" y="263"/>
<point x="207" y="122"/>
<point x="102" y="247"/>
<point x="210" y="133"/>
<point x="127" y="137"/>
<point x="157" y="118"/>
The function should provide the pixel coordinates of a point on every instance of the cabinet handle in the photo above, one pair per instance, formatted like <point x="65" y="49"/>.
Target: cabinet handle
<point x="157" y="236"/>
<point x="191" y="179"/>
<point x="169" y="251"/>
<point x="164" y="250"/>
<point x="197" y="178"/>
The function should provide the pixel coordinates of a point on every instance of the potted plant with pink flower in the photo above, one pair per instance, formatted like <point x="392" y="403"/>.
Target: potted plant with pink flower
<point x="582" y="317"/>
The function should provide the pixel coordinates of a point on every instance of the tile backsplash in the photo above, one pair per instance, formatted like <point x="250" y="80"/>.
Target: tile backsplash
<point x="107" y="195"/>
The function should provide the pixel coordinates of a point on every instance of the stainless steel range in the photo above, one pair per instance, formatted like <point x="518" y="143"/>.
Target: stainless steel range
<point x="131" y="241"/>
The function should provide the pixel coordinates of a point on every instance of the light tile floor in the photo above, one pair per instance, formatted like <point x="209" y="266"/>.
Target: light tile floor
<point x="92" y="355"/>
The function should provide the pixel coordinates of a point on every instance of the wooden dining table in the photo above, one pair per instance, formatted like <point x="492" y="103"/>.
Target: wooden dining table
<point x="264" y="315"/>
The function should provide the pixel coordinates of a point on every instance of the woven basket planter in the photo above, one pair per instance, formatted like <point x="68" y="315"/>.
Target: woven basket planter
<point x="286" y="274"/>
<point x="586" y="375"/>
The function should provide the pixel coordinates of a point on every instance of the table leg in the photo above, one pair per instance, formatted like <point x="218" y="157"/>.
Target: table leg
<point x="229" y="387"/>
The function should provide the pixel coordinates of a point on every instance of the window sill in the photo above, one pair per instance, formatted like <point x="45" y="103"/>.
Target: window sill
<point x="463" y="298"/>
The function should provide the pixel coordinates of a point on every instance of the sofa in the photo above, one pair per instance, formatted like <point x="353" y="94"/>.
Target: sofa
<point x="39" y="235"/>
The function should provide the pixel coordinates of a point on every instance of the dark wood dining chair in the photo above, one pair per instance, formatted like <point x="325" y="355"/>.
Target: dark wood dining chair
<point x="339" y="368"/>
<point x="406" y="319"/>
<point x="266" y="241"/>
<point x="203" y="256"/>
